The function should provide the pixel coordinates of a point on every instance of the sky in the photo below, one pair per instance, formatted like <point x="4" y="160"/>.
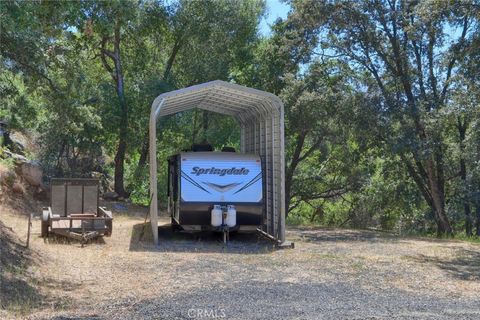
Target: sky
<point x="275" y="9"/>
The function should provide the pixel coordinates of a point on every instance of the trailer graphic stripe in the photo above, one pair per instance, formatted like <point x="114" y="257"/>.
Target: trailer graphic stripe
<point x="186" y="177"/>
<point x="250" y="183"/>
<point x="221" y="188"/>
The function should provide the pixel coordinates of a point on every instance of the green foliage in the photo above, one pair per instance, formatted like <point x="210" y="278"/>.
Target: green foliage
<point x="408" y="60"/>
<point x="18" y="102"/>
<point x="374" y="119"/>
<point x="5" y="161"/>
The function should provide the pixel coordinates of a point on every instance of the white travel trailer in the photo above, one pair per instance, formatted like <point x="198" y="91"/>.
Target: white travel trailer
<point x="260" y="116"/>
<point x="215" y="190"/>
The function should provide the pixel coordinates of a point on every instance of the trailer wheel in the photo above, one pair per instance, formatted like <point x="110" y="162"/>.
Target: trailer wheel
<point x="44" y="224"/>
<point x="44" y="229"/>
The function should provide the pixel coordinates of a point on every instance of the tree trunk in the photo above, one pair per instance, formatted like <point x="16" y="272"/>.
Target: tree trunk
<point x="194" y="129"/>
<point x="122" y="141"/>
<point x="426" y="180"/>
<point x="468" y="219"/>
<point x="438" y="199"/>
<point x="144" y="152"/>
<point x="433" y="180"/>
<point x="478" y="219"/>
<point x="289" y="173"/>
<point x="119" y="167"/>
<point x="462" y="128"/>
<point x="205" y="125"/>
<point x="122" y="137"/>
<point x="466" y="202"/>
<point x="117" y="75"/>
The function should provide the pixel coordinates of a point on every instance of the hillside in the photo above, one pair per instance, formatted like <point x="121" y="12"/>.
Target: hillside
<point x="18" y="290"/>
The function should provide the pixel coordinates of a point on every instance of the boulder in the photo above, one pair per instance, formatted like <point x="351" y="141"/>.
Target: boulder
<point x="7" y="176"/>
<point x="18" y="188"/>
<point x="17" y="143"/>
<point x="32" y="173"/>
<point x="41" y="193"/>
<point x="19" y="159"/>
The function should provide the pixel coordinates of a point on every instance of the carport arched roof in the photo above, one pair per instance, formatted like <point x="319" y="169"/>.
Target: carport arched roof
<point x="218" y="96"/>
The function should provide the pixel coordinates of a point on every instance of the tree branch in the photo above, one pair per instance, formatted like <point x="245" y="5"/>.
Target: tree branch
<point x="311" y="150"/>
<point x="418" y="180"/>
<point x="103" y="56"/>
<point x="454" y="59"/>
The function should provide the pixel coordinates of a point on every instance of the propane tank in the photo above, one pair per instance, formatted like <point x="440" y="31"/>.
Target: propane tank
<point x="231" y="216"/>
<point x="216" y="219"/>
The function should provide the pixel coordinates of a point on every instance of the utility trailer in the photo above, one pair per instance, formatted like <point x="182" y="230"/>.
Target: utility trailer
<point x="218" y="191"/>
<point x="74" y="211"/>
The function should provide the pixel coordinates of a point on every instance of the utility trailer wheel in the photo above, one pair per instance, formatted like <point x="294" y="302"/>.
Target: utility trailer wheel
<point x="45" y="224"/>
<point x="44" y="229"/>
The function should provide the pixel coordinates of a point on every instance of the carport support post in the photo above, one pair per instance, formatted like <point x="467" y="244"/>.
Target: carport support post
<point x="153" y="172"/>
<point x="282" y="174"/>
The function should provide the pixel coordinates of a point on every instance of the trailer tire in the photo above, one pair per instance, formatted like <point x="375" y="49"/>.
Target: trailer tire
<point x="44" y="229"/>
<point x="45" y="223"/>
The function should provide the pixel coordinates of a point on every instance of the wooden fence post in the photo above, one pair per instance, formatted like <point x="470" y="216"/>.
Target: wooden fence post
<point x="29" y="227"/>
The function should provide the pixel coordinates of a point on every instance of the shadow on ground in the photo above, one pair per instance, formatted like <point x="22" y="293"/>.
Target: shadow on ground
<point x="20" y="289"/>
<point x="463" y="265"/>
<point x="76" y="317"/>
<point x="16" y="292"/>
<point x="55" y="239"/>
<point x="336" y="235"/>
<point x="202" y="242"/>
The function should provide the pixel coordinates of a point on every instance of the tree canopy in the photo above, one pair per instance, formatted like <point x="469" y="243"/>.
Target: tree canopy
<point x="381" y="97"/>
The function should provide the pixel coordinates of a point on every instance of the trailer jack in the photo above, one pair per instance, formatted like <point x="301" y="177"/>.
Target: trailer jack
<point x="225" y="228"/>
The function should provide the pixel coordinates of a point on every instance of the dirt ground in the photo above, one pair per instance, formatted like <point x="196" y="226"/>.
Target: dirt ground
<point x="331" y="274"/>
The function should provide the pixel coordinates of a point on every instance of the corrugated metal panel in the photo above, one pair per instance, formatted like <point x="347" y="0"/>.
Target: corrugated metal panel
<point x="260" y="115"/>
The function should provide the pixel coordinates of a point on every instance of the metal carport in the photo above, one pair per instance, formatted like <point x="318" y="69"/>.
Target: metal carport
<point x="261" y="118"/>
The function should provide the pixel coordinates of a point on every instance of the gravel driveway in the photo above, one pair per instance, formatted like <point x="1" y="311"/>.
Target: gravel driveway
<point x="331" y="274"/>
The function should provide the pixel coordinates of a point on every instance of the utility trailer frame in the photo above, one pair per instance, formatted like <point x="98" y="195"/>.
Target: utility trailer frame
<point x="74" y="211"/>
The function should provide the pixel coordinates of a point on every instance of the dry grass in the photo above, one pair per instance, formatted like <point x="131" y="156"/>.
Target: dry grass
<point x="126" y="277"/>
<point x="18" y="293"/>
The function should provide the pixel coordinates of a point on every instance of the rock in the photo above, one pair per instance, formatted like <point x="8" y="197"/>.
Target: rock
<point x="32" y="173"/>
<point x="17" y="157"/>
<point x="18" y="188"/>
<point x="18" y="143"/>
<point x="7" y="176"/>
<point x="2" y="136"/>
<point x="97" y="175"/>
<point x="110" y="196"/>
<point x="41" y="193"/>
